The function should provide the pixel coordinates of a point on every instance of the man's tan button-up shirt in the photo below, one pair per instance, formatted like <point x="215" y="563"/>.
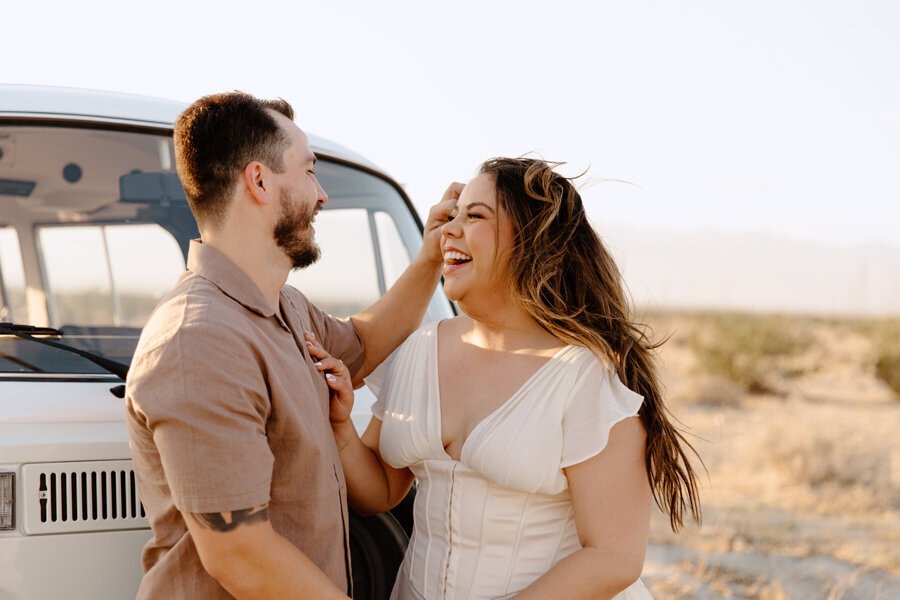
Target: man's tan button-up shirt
<point x="226" y="411"/>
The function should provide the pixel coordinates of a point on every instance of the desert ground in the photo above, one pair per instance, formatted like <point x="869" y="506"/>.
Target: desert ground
<point x="797" y="422"/>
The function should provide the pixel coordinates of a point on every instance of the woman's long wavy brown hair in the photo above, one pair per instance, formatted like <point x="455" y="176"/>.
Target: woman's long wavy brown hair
<point x="566" y="279"/>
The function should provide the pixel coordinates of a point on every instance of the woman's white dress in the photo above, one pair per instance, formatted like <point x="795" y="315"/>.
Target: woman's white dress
<point x="489" y="524"/>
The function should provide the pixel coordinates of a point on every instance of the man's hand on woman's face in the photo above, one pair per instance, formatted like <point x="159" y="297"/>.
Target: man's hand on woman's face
<point x="337" y="376"/>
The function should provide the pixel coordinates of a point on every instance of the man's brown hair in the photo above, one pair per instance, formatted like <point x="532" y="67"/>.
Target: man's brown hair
<point x="216" y="137"/>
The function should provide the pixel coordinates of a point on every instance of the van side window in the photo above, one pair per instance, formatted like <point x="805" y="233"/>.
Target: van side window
<point x="345" y="279"/>
<point x="102" y="275"/>
<point x="13" y="306"/>
<point x="394" y="255"/>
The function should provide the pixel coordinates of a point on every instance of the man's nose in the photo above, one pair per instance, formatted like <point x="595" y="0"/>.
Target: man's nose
<point x="321" y="196"/>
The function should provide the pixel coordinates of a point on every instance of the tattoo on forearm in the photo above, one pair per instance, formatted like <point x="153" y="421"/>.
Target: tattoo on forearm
<point x="228" y="521"/>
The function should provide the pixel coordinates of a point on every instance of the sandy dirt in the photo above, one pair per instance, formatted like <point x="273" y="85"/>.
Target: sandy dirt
<point x="802" y="496"/>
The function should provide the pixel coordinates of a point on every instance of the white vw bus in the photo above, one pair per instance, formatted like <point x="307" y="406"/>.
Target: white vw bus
<point x="94" y="229"/>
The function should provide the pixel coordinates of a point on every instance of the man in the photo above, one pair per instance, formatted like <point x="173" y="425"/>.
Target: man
<point x="226" y="411"/>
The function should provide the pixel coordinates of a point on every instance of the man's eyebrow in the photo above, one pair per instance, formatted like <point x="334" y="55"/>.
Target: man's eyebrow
<point x="311" y="158"/>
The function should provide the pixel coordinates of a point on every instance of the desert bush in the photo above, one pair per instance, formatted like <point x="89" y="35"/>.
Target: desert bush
<point x="833" y="461"/>
<point x="886" y="341"/>
<point x="887" y="368"/>
<point x="884" y="335"/>
<point x="712" y="390"/>
<point x="749" y="349"/>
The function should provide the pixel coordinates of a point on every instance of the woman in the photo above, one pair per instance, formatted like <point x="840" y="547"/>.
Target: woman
<point x="533" y="422"/>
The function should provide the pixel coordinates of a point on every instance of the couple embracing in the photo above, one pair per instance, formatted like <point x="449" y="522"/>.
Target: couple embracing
<point x="533" y="423"/>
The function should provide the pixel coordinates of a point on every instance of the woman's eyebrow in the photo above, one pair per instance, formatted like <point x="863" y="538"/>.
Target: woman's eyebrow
<point x="470" y="205"/>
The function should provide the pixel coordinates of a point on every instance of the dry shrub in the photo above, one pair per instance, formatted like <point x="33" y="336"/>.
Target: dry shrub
<point x="712" y="390"/>
<point x="885" y="337"/>
<point x="848" y="470"/>
<point x="750" y="349"/>
<point x="772" y="590"/>
<point x="887" y="368"/>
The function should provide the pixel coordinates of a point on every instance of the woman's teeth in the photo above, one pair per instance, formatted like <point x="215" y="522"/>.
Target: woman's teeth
<point x="453" y="257"/>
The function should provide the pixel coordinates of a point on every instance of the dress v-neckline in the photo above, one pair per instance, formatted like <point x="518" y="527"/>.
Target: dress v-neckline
<point x="436" y="382"/>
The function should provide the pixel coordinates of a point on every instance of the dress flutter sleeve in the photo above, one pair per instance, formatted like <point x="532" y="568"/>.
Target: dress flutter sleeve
<point x="376" y="382"/>
<point x="599" y="402"/>
<point x="403" y="364"/>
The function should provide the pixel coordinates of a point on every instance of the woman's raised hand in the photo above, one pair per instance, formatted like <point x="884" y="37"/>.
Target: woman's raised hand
<point x="437" y="216"/>
<point x="337" y="376"/>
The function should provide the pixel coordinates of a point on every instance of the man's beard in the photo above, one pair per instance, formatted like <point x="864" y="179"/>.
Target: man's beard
<point x="291" y="234"/>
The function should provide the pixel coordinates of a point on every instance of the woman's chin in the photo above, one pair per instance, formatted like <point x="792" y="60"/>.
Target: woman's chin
<point x="451" y="296"/>
<point x="452" y="290"/>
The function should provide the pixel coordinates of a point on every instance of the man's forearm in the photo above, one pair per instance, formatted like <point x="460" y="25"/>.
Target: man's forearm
<point x="278" y="571"/>
<point x="385" y="324"/>
<point x="241" y="551"/>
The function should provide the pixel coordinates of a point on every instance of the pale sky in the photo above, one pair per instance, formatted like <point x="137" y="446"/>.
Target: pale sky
<point x="765" y="116"/>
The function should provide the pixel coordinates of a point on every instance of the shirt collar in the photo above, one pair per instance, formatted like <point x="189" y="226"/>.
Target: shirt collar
<point x="218" y="269"/>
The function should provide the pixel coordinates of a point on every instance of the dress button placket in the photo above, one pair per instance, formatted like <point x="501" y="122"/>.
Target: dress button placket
<point x="449" y="564"/>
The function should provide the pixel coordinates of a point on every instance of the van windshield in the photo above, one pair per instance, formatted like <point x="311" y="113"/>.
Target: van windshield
<point x="94" y="230"/>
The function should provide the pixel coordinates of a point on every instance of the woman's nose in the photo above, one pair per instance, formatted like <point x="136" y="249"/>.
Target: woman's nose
<point x="450" y="229"/>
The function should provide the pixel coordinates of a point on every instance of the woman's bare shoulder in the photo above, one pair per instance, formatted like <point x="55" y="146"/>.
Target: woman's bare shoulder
<point x="454" y="326"/>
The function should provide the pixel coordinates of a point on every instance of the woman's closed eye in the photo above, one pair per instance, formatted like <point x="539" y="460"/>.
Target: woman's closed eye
<point x="469" y="215"/>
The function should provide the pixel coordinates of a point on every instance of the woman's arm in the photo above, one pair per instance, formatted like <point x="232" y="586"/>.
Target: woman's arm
<point x="384" y="325"/>
<point x="612" y="501"/>
<point x="373" y="486"/>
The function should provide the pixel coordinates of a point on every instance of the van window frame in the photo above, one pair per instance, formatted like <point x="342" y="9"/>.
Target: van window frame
<point x="161" y="129"/>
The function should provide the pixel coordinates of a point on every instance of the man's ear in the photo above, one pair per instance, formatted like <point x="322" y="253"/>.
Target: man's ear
<point x="256" y="179"/>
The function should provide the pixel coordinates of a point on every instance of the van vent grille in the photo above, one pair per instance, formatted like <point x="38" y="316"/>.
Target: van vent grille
<point x="86" y="496"/>
<point x="94" y="495"/>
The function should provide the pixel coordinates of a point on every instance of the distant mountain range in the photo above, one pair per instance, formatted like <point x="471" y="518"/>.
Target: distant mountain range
<point x="755" y="272"/>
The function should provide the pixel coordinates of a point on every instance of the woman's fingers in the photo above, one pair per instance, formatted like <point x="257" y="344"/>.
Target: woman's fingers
<point x="325" y="362"/>
<point x="437" y="217"/>
<point x="440" y="211"/>
<point x="337" y="376"/>
<point x="315" y="349"/>
<point x="341" y="385"/>
<point x="453" y="191"/>
<point x="331" y="364"/>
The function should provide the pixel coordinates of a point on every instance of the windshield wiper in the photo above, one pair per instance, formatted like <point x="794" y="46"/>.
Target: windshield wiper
<point x="32" y="329"/>
<point x="27" y="332"/>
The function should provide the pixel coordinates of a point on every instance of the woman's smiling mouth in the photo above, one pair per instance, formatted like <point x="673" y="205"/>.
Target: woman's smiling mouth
<point x="454" y="259"/>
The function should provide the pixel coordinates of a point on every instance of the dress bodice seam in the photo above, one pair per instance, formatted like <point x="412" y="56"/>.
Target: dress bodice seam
<point x="434" y="368"/>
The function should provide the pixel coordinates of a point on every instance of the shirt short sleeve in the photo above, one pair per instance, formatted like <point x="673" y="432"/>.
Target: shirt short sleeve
<point x="202" y="398"/>
<point x="599" y="401"/>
